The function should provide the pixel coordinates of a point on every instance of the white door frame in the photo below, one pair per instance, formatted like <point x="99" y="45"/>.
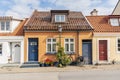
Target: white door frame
<point x="108" y="50"/>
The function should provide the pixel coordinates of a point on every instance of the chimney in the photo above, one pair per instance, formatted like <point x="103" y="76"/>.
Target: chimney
<point x="94" y="12"/>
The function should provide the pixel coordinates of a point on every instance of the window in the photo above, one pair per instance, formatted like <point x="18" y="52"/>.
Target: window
<point x="0" y="49"/>
<point x="51" y="45"/>
<point x="5" y="25"/>
<point x="2" y="26"/>
<point x="59" y="18"/>
<point x="69" y="45"/>
<point x="114" y="21"/>
<point x="118" y="44"/>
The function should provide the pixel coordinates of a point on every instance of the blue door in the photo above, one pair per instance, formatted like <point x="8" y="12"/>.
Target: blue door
<point x="87" y="51"/>
<point x="33" y="49"/>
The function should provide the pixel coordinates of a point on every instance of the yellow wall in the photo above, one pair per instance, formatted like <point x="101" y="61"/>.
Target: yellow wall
<point x="113" y="55"/>
<point x="42" y="36"/>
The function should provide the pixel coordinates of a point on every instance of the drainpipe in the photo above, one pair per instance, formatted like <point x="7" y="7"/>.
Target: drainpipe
<point x="78" y="43"/>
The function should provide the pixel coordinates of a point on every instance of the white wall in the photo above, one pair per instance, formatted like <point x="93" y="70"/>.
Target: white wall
<point x="5" y="52"/>
<point x="14" y="25"/>
<point x="5" y="40"/>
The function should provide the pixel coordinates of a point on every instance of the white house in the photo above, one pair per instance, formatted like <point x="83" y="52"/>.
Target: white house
<point x="11" y="40"/>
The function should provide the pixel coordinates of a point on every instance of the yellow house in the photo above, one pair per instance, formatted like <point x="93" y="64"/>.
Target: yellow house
<point x="106" y="38"/>
<point x="44" y="29"/>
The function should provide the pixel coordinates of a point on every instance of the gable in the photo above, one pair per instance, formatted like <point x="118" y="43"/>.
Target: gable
<point x="116" y="10"/>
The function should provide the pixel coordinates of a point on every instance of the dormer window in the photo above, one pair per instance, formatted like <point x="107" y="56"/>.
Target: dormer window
<point x="59" y="18"/>
<point x="5" y="25"/>
<point x="115" y="21"/>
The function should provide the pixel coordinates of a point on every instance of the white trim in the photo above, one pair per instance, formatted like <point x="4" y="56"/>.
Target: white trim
<point x="5" y="30"/>
<point x="11" y="37"/>
<point x="88" y="21"/>
<point x="60" y="19"/>
<point x="51" y="43"/>
<point x="107" y="34"/>
<point x="69" y="45"/>
<point x="108" y="50"/>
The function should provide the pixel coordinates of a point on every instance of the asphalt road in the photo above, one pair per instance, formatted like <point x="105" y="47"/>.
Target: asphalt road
<point x="79" y="75"/>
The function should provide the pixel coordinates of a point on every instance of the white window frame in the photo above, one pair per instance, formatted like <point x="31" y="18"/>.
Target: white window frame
<point x="69" y="52"/>
<point x="117" y="45"/>
<point x="60" y="18"/>
<point x="5" y="25"/>
<point x="51" y="43"/>
<point x="2" y="49"/>
<point x="114" y="23"/>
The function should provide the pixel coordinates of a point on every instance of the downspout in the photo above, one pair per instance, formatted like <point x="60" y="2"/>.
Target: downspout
<point x="77" y="44"/>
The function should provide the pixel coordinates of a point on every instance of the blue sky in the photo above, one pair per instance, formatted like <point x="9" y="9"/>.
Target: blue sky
<point x="24" y="8"/>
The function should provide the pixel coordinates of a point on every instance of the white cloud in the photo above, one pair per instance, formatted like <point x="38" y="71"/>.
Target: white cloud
<point x="112" y="2"/>
<point x="86" y="6"/>
<point x="24" y="8"/>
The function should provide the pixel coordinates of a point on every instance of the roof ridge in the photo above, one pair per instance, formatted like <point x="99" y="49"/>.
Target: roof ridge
<point x="98" y="16"/>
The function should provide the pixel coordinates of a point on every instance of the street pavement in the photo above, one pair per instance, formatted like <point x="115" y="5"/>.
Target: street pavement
<point x="29" y="76"/>
<point x="67" y="75"/>
<point x="91" y="75"/>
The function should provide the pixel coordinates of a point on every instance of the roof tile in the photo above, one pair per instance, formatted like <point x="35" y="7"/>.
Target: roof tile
<point x="41" y="21"/>
<point x="101" y="24"/>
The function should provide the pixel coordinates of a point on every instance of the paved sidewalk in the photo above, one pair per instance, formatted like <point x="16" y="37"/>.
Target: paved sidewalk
<point x="56" y="69"/>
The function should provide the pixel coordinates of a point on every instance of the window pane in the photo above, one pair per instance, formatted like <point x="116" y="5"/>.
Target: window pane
<point x="66" y="40"/>
<point x="71" y="40"/>
<point x="7" y="25"/>
<point x="67" y="47"/>
<point x="2" y="25"/>
<point x="48" y="47"/>
<point x="72" y="47"/>
<point x="118" y="45"/>
<point x="62" y="18"/>
<point x="54" y="40"/>
<point x="118" y="40"/>
<point x="0" y="48"/>
<point x="114" y="22"/>
<point x="54" y="47"/>
<point x="49" y="40"/>
<point x="119" y="49"/>
<point x="57" y="18"/>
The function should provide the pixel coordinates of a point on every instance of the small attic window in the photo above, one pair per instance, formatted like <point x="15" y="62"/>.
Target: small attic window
<point x="5" y="25"/>
<point x="59" y="18"/>
<point x="115" y="21"/>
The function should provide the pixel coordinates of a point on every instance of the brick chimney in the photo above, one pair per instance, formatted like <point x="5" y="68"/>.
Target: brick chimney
<point x="94" y="12"/>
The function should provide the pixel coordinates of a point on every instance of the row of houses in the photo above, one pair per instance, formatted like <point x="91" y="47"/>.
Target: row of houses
<point x="34" y="39"/>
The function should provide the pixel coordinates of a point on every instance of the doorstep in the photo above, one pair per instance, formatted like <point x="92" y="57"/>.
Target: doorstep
<point x="30" y="64"/>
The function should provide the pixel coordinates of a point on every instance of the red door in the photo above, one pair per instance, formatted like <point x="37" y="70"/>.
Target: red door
<point x="102" y="50"/>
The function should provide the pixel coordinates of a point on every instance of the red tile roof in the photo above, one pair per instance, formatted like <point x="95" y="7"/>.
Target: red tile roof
<point x="41" y="21"/>
<point x="101" y="24"/>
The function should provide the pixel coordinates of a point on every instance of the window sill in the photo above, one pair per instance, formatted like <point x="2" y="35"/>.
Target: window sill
<point x="70" y="53"/>
<point x="50" y="53"/>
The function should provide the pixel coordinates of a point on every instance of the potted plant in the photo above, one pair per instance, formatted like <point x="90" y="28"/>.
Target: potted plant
<point x="48" y="62"/>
